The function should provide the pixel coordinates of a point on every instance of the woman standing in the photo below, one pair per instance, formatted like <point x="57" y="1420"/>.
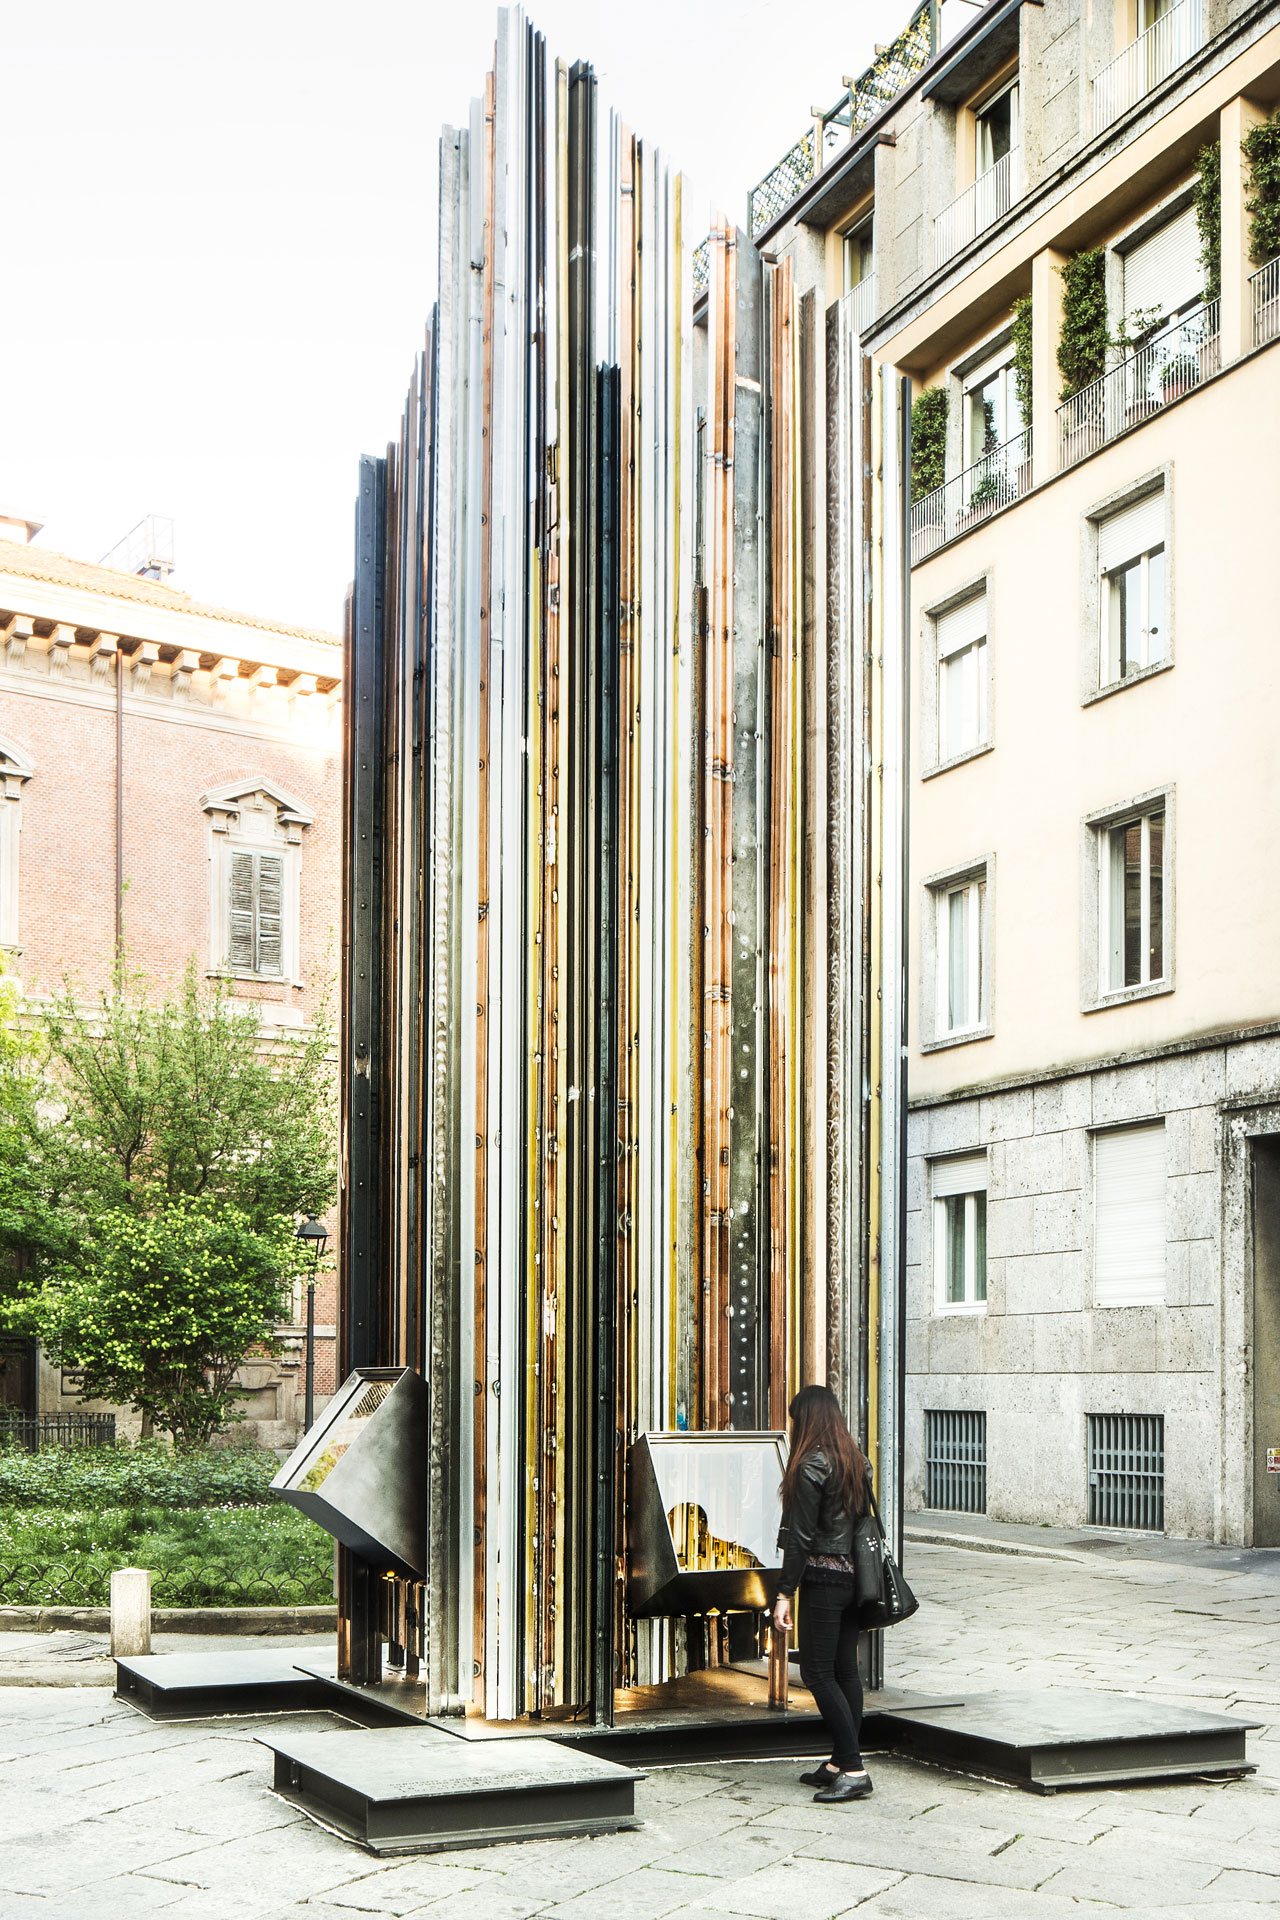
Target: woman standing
<point x="824" y="1494"/>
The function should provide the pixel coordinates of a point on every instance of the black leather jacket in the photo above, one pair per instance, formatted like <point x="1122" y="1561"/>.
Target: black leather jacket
<point x="812" y="1524"/>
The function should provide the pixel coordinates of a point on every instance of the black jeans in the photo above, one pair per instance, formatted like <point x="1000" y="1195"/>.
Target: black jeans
<point x="828" y="1634"/>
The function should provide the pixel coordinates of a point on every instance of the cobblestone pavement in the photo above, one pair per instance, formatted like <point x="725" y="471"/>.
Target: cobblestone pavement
<point x="104" y="1814"/>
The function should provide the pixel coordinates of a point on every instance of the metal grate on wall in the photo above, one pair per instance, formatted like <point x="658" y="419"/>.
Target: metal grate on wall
<point x="1126" y="1471"/>
<point x="955" y="1460"/>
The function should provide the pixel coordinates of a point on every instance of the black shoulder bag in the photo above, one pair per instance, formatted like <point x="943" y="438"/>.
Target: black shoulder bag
<point x="879" y="1590"/>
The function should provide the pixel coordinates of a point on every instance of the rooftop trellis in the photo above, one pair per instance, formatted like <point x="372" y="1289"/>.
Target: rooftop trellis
<point x="893" y="68"/>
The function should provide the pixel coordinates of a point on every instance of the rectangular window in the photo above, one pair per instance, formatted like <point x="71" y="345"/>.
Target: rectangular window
<point x="1131" y="562"/>
<point x="955" y="1457"/>
<point x="1126" y="1470"/>
<point x="858" y="256"/>
<point x="1132" y="914"/>
<point x="997" y="130"/>
<point x="1129" y="1216"/>
<point x="960" y="1230"/>
<point x="960" y="984"/>
<point x="1163" y="274"/>
<point x="962" y="678"/>
<point x="992" y="415"/>
<point x="255" y="917"/>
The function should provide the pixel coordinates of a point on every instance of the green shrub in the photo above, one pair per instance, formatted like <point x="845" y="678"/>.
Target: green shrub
<point x="1082" y="344"/>
<point x="1022" y="356"/>
<point x="208" y="1557"/>
<point x="150" y="1475"/>
<point x="1261" y="148"/>
<point x="928" y="441"/>
<point x="1208" y="205"/>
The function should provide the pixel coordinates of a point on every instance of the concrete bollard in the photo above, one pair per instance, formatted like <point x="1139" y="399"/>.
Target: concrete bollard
<point x="130" y="1612"/>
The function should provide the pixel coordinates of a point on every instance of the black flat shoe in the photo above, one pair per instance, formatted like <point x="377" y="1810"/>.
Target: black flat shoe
<point x="846" y="1786"/>
<point x="820" y="1777"/>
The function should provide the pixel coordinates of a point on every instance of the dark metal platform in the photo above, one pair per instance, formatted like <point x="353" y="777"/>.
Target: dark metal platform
<point x="419" y="1789"/>
<point x="1050" y="1740"/>
<point x="203" y="1686"/>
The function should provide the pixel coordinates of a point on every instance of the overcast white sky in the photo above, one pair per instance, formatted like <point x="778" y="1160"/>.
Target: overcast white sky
<point x="220" y="236"/>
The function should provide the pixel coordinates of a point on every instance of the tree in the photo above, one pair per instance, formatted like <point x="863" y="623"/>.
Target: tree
<point x="166" y="1308"/>
<point x="155" y="1151"/>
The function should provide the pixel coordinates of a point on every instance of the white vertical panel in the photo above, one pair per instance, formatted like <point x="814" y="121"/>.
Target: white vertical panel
<point x="1164" y="271"/>
<point x="1133" y="530"/>
<point x="1129" y="1216"/>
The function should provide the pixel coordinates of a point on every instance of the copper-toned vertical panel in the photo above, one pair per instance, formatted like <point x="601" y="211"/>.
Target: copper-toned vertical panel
<point x="781" y="905"/>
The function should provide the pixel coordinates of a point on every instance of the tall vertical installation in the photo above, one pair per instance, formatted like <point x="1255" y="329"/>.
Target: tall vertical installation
<point x="612" y="922"/>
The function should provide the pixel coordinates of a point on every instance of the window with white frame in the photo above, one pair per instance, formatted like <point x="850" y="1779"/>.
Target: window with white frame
<point x="960" y="909"/>
<point x="1131" y="918"/>
<point x="960" y="1231"/>
<point x="992" y="415"/>
<point x="1132" y="590"/>
<point x="962" y="677"/>
<point x="996" y="130"/>
<point x="1129" y="1168"/>
<point x="255" y="864"/>
<point x="1163" y="276"/>
<point x="859" y="261"/>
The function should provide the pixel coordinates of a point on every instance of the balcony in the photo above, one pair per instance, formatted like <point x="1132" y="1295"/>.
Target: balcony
<point x="1264" y="289"/>
<point x="1176" y="362"/>
<point x="991" y="195"/>
<point x="1001" y="476"/>
<point x="863" y="304"/>
<point x="1151" y="58"/>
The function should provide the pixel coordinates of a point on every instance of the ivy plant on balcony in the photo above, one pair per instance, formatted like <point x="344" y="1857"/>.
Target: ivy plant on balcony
<point x="928" y="441"/>
<point x="1208" y="205"/>
<point x="1022" y="356"/>
<point x="1261" y="148"/>
<point x="1082" y="344"/>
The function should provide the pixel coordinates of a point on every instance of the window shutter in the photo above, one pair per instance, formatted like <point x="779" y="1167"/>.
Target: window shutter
<point x="961" y="626"/>
<point x="959" y="1173"/>
<point x="270" y="912"/>
<point x="1136" y="529"/>
<point x="1164" y="270"/>
<point x="1128" y="1224"/>
<point x="240" y="945"/>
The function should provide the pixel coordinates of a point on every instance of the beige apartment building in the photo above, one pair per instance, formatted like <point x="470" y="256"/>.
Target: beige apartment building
<point x="1089" y="604"/>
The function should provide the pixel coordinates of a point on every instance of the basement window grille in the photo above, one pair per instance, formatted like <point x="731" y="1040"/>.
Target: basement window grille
<point x="1126" y="1471"/>
<point x="955" y="1458"/>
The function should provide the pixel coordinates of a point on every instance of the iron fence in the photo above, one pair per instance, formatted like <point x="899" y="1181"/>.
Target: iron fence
<point x="955" y="1460"/>
<point x="701" y="267"/>
<point x="1126" y="1471"/>
<point x="891" y="70"/>
<point x="1001" y="476"/>
<point x="991" y="196"/>
<point x="863" y="302"/>
<point x="1175" y="362"/>
<point x="34" y="1431"/>
<point x="81" y="1580"/>
<point x="1146" y="61"/>
<point x="1264" y="287"/>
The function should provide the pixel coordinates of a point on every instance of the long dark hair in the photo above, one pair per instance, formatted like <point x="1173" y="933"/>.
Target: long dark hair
<point x="818" y="1424"/>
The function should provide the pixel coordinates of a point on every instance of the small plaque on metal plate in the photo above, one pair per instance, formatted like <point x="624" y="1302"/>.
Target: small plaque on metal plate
<point x="1273" y="1459"/>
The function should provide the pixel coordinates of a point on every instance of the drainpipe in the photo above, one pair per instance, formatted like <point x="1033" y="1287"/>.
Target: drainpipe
<point x="119" y="949"/>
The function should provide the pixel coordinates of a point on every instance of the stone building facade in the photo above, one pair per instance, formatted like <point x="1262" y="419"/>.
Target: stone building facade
<point x="178" y="766"/>
<point x="1093" y="1240"/>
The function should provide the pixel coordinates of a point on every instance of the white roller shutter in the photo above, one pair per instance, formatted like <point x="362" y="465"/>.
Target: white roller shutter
<point x="959" y="1173"/>
<point x="1128" y="1217"/>
<point x="1134" y="530"/>
<point x="962" y="625"/>
<point x="1164" y="270"/>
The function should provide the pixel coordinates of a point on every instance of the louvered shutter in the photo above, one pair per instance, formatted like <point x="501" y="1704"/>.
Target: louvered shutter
<point x="1134" y="530"/>
<point x="270" y="911"/>
<point x="959" y="1173"/>
<point x="1164" y="270"/>
<point x="961" y="626"/>
<point x="241" y="944"/>
<point x="1128" y="1217"/>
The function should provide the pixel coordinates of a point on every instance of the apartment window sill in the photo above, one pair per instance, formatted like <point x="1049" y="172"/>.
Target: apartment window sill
<point x="958" y="760"/>
<point x="1124" y="996"/>
<point x="1123" y="686"/>
<point x="961" y="1039"/>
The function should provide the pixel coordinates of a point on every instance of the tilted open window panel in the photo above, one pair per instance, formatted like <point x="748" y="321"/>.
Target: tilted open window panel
<point x="703" y="1516"/>
<point x="360" y="1471"/>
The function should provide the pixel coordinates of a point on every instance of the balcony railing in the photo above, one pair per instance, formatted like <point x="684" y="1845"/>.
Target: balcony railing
<point x="1265" y="288"/>
<point x="1163" y="370"/>
<point x="863" y="298"/>
<point x="991" y="195"/>
<point x="999" y="478"/>
<point x="1151" y="58"/>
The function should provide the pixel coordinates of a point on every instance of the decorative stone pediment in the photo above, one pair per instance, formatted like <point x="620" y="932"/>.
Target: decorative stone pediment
<point x="257" y="807"/>
<point x="16" y="767"/>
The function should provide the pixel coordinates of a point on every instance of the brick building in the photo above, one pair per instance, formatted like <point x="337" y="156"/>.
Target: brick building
<point x="170" y="774"/>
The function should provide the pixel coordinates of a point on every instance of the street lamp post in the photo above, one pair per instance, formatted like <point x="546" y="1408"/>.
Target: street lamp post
<point x="315" y="1236"/>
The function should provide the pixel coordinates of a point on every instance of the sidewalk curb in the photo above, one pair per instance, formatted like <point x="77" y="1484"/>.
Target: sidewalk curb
<point x="85" y="1673"/>
<point x="174" y="1619"/>
<point x="983" y="1543"/>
